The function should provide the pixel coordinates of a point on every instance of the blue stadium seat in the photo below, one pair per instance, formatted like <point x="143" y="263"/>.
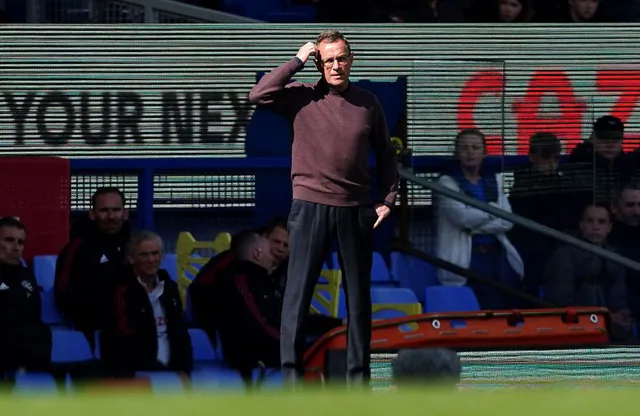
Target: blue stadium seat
<point x="412" y="273"/>
<point x="450" y="299"/>
<point x="392" y="295"/>
<point x="44" y="269"/>
<point x="381" y="295"/>
<point x="204" y="355"/>
<point x="27" y="383"/>
<point x="70" y="346"/>
<point x="49" y="313"/>
<point x="379" y="270"/>
<point x="170" y="264"/>
<point x="216" y="379"/>
<point x="163" y="381"/>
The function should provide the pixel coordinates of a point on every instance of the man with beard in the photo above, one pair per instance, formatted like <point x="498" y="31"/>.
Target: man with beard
<point x="87" y="264"/>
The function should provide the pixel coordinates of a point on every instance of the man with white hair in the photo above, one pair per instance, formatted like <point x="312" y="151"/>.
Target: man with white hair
<point x="146" y="329"/>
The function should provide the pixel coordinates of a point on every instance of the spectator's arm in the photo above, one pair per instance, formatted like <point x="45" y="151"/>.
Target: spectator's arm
<point x="273" y="89"/>
<point x="119" y="334"/>
<point x="72" y="272"/>
<point x="559" y="279"/>
<point x="498" y="225"/>
<point x="254" y="309"/>
<point x="464" y="216"/>
<point x="386" y="159"/>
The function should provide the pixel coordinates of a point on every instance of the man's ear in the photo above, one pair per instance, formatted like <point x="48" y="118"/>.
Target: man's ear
<point x="317" y="59"/>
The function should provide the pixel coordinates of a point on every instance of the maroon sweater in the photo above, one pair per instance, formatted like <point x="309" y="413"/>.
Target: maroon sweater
<point x="332" y="132"/>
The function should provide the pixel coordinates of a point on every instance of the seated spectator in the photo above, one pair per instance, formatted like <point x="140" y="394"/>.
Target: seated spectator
<point x="538" y="193"/>
<point x="435" y="367"/>
<point x="146" y="329"/>
<point x="25" y="341"/>
<point x="599" y="167"/>
<point x="471" y="238"/>
<point x="205" y="285"/>
<point x="87" y="265"/>
<point x="575" y="277"/>
<point x="581" y="11"/>
<point x="202" y="287"/>
<point x="429" y="11"/>
<point x="625" y="238"/>
<point x="278" y="236"/>
<point x="247" y="310"/>
<point x="513" y="11"/>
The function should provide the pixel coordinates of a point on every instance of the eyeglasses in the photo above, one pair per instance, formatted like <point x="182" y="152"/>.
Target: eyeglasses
<point x="342" y="61"/>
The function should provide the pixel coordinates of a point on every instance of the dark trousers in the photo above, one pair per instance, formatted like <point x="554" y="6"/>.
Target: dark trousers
<point x="311" y="230"/>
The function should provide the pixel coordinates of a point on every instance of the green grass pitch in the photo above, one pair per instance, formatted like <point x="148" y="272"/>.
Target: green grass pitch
<point x="588" y="401"/>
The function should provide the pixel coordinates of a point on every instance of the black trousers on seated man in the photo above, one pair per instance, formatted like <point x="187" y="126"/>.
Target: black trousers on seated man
<point x="311" y="230"/>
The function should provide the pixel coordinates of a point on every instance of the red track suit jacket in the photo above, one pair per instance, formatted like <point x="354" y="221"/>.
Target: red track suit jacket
<point x="130" y="337"/>
<point x="247" y="314"/>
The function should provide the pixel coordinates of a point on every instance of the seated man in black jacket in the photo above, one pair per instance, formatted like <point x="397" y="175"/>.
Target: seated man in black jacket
<point x="204" y="286"/>
<point x="25" y="341"/>
<point x="147" y="329"/>
<point x="247" y="309"/>
<point x="93" y="256"/>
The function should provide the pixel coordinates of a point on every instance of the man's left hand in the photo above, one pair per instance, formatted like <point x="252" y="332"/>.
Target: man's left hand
<point x="383" y="212"/>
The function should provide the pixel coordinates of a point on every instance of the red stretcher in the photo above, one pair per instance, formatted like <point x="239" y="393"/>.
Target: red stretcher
<point x="538" y="328"/>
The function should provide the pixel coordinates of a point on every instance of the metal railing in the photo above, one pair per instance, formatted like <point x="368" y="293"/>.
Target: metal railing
<point x="407" y="174"/>
<point x="129" y="11"/>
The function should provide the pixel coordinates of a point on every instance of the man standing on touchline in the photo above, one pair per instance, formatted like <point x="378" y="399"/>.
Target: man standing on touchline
<point x="334" y="126"/>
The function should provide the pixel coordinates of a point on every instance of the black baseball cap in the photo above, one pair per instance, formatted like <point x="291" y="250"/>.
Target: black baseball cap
<point x="609" y="128"/>
<point x="545" y="144"/>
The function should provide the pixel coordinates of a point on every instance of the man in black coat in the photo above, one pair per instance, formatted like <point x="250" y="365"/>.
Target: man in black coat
<point x="146" y="329"/>
<point x="25" y="341"/>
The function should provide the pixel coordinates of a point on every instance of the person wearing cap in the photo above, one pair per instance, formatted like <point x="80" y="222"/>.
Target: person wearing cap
<point x="599" y="166"/>
<point x="539" y="192"/>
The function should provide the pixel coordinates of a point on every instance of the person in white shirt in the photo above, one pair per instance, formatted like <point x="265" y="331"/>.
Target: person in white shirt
<point x="147" y="329"/>
<point x="471" y="238"/>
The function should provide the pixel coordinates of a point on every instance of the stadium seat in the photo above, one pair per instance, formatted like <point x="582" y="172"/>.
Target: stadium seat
<point x="203" y="352"/>
<point x="216" y="379"/>
<point x="450" y="299"/>
<point x="27" y="383"/>
<point x="70" y="347"/>
<point x="49" y="312"/>
<point x="163" y="381"/>
<point x="189" y="263"/>
<point x="327" y="293"/>
<point x="379" y="270"/>
<point x="412" y="273"/>
<point x="44" y="269"/>
<point x="170" y="264"/>
<point x="388" y="302"/>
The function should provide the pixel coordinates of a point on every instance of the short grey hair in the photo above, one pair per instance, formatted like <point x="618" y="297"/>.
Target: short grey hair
<point x="248" y="244"/>
<point x="142" y="236"/>
<point x="428" y="366"/>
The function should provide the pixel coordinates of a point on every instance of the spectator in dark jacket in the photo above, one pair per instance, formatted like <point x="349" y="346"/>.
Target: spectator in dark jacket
<point x="539" y="192"/>
<point x="204" y="286"/>
<point x="92" y="258"/>
<point x="248" y="310"/>
<point x="25" y="341"/>
<point x="599" y="167"/>
<point x="146" y="329"/>
<point x="575" y="277"/>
